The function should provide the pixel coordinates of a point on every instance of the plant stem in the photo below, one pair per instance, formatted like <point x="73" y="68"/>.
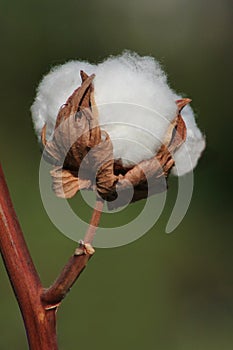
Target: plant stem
<point x="38" y="305"/>
<point x="94" y="223"/>
<point x="76" y="264"/>
<point x="40" y="324"/>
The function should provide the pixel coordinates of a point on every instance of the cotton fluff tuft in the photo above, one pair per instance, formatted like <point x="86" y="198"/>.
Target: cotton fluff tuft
<point x="135" y="106"/>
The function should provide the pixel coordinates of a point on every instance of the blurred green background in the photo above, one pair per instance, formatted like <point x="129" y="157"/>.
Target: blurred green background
<point x="165" y="292"/>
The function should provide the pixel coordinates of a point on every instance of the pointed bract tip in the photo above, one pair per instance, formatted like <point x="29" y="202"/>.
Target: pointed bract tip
<point x="182" y="103"/>
<point x="83" y="75"/>
<point x="43" y="135"/>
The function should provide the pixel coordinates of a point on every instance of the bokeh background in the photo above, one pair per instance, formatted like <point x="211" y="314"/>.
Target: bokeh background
<point x="165" y="292"/>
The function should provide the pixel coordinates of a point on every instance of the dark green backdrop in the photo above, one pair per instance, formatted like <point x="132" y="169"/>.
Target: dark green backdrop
<point x="165" y="292"/>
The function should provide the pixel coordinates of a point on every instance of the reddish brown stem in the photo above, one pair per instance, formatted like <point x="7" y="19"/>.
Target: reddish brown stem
<point x="40" y="324"/>
<point x="54" y="295"/>
<point x="38" y="306"/>
<point x="94" y="223"/>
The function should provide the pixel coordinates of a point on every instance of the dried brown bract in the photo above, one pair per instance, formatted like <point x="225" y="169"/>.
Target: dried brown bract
<point x="82" y="154"/>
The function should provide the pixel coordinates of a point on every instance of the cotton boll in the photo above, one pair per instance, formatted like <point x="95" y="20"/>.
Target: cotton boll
<point x="134" y="102"/>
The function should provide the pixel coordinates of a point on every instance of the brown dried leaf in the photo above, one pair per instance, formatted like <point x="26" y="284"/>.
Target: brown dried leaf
<point x="79" y="98"/>
<point x="176" y="133"/>
<point x="152" y="171"/>
<point x="179" y="134"/>
<point x="98" y="167"/>
<point x="76" y="129"/>
<point x="61" y="150"/>
<point x="105" y="178"/>
<point x="65" y="184"/>
<point x="182" y="103"/>
<point x="77" y="145"/>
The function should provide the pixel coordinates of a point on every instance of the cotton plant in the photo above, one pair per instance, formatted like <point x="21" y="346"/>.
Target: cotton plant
<point x="111" y="128"/>
<point x="114" y="125"/>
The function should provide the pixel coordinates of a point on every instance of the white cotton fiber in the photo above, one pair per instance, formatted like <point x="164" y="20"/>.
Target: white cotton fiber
<point x="135" y="106"/>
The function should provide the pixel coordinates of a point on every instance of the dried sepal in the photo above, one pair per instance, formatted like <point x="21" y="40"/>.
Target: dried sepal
<point x="179" y="132"/>
<point x="100" y="162"/>
<point x="65" y="184"/>
<point x="181" y="103"/>
<point x="76" y="128"/>
<point x="77" y="141"/>
<point x="79" y="99"/>
<point x="151" y="172"/>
